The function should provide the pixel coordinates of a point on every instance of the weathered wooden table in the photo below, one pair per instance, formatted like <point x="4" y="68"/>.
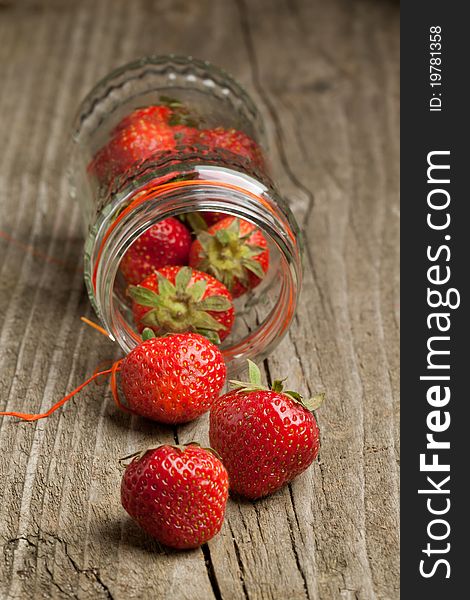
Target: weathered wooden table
<point x="325" y="75"/>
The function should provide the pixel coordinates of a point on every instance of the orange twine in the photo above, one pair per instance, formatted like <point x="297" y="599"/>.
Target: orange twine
<point x="95" y="326"/>
<point x="113" y="370"/>
<point x="103" y="365"/>
<point x="36" y="417"/>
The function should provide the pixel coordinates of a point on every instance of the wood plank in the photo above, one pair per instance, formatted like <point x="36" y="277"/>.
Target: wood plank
<point x="325" y="76"/>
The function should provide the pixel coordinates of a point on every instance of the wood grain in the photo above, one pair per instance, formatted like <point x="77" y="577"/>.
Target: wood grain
<point x="325" y="75"/>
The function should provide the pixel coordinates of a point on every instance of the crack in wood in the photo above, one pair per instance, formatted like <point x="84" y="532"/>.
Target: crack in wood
<point x="267" y="371"/>
<point x="92" y="573"/>
<point x="241" y="566"/>
<point x="211" y="571"/>
<point x="294" y="544"/>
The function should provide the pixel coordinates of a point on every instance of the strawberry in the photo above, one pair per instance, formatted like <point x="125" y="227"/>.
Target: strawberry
<point x="233" y="140"/>
<point x="179" y="299"/>
<point x="172" y="379"/>
<point x="166" y="243"/>
<point x="176" y="494"/>
<point x="265" y="437"/>
<point x="140" y="135"/>
<point x="130" y="145"/>
<point x="234" y="251"/>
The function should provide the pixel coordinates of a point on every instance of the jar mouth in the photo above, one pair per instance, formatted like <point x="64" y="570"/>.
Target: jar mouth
<point x="268" y="311"/>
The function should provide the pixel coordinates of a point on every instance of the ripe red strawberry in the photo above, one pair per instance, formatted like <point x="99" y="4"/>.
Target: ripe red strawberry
<point x="166" y="243"/>
<point x="176" y="494"/>
<point x="179" y="299"/>
<point x="265" y="437"/>
<point x="129" y="146"/>
<point x="233" y="140"/>
<point x="234" y="251"/>
<point x="172" y="379"/>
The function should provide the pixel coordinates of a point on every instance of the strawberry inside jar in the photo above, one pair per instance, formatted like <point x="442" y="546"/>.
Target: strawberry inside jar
<point x="186" y="231"/>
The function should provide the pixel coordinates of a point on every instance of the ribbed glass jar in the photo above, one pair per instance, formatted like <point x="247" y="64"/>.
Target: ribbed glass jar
<point x="180" y="175"/>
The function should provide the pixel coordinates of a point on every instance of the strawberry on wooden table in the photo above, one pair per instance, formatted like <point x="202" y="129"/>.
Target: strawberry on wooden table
<point x="265" y="437"/>
<point x="166" y="243"/>
<point x="234" y="251"/>
<point x="172" y="379"/>
<point x="179" y="299"/>
<point x="177" y="494"/>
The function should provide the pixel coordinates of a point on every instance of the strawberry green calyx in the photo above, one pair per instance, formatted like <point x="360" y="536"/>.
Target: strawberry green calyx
<point x="228" y="256"/>
<point x="180" y="307"/>
<point x="254" y="384"/>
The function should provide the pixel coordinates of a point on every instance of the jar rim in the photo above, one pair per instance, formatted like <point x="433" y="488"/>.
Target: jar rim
<point x="147" y="204"/>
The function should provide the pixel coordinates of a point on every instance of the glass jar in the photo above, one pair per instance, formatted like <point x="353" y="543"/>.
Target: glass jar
<point x="185" y="176"/>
